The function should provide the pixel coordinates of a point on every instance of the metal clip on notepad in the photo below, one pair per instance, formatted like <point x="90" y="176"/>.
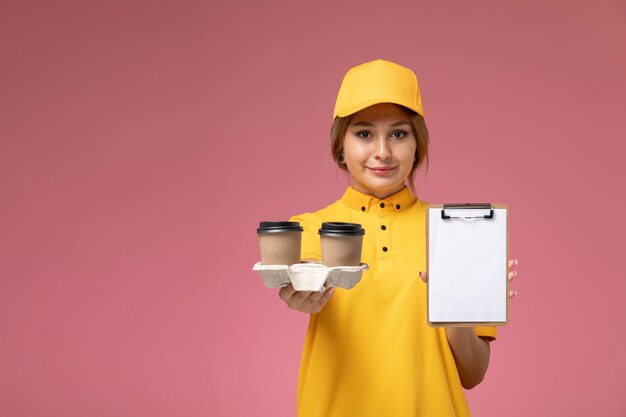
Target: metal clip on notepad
<point x="458" y="211"/>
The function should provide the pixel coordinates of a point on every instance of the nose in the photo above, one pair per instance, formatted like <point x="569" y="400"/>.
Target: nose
<point x="383" y="151"/>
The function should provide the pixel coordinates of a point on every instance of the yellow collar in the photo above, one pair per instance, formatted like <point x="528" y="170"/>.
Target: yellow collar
<point x="399" y="201"/>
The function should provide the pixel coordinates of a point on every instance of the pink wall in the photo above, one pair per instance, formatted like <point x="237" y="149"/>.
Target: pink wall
<point x="141" y="142"/>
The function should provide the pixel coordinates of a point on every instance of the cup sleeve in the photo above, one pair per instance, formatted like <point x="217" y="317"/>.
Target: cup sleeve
<point x="310" y="239"/>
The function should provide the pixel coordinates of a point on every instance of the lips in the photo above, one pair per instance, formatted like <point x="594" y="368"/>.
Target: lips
<point x="381" y="170"/>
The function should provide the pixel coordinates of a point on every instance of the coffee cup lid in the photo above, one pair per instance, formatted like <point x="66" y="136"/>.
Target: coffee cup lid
<point x="275" y="227"/>
<point x="341" y="229"/>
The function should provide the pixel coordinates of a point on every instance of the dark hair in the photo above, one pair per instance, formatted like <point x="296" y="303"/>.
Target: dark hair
<point x="340" y="127"/>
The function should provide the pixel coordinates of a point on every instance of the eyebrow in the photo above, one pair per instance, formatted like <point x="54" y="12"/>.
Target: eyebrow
<point x="368" y="124"/>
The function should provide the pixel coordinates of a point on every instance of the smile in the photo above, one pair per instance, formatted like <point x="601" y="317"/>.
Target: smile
<point x="382" y="171"/>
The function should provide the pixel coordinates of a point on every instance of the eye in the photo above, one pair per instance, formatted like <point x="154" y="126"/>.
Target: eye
<point x="364" y="134"/>
<point x="398" y="134"/>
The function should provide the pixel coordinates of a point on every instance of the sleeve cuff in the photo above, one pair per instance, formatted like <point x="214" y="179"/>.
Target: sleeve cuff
<point x="311" y="255"/>
<point x="490" y="333"/>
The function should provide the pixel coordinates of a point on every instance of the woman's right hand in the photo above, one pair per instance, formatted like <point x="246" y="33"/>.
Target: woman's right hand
<point x="305" y="301"/>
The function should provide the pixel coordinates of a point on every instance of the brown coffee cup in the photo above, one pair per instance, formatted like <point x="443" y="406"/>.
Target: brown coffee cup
<point x="341" y="243"/>
<point x="280" y="242"/>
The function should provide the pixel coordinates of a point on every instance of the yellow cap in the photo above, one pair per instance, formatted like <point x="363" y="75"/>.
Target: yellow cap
<point x="377" y="82"/>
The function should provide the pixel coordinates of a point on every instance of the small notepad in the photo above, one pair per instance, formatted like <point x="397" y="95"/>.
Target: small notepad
<point x="467" y="265"/>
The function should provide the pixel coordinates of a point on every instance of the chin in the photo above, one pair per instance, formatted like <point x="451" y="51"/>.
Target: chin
<point x="386" y="183"/>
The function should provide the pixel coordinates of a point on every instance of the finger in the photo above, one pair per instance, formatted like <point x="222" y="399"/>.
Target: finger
<point x="321" y="302"/>
<point x="314" y="297"/>
<point x="286" y="292"/>
<point x="424" y="276"/>
<point x="512" y="294"/>
<point x="298" y="298"/>
<point x="512" y="275"/>
<point x="513" y="262"/>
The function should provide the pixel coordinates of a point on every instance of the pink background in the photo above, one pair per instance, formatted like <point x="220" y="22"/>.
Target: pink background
<point x="142" y="142"/>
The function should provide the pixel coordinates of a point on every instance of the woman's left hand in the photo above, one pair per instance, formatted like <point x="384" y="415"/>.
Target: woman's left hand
<point x="512" y="274"/>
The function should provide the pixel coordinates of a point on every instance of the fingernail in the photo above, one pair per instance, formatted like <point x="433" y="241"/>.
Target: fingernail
<point x="331" y="290"/>
<point x="514" y="273"/>
<point x="516" y="262"/>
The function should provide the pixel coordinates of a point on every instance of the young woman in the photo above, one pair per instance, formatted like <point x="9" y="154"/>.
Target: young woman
<point x="369" y="351"/>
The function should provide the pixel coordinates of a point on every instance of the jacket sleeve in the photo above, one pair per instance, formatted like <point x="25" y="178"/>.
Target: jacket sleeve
<point x="310" y="239"/>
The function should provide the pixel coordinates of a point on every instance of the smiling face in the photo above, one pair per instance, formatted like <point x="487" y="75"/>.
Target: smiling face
<point x="379" y="149"/>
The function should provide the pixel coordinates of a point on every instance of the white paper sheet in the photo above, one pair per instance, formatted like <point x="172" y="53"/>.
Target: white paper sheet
<point x="467" y="267"/>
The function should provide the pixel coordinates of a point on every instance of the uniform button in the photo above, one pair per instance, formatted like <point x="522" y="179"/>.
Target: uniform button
<point x="383" y="227"/>
<point x="398" y="206"/>
<point x="385" y="249"/>
<point x="362" y="208"/>
<point x="382" y="205"/>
